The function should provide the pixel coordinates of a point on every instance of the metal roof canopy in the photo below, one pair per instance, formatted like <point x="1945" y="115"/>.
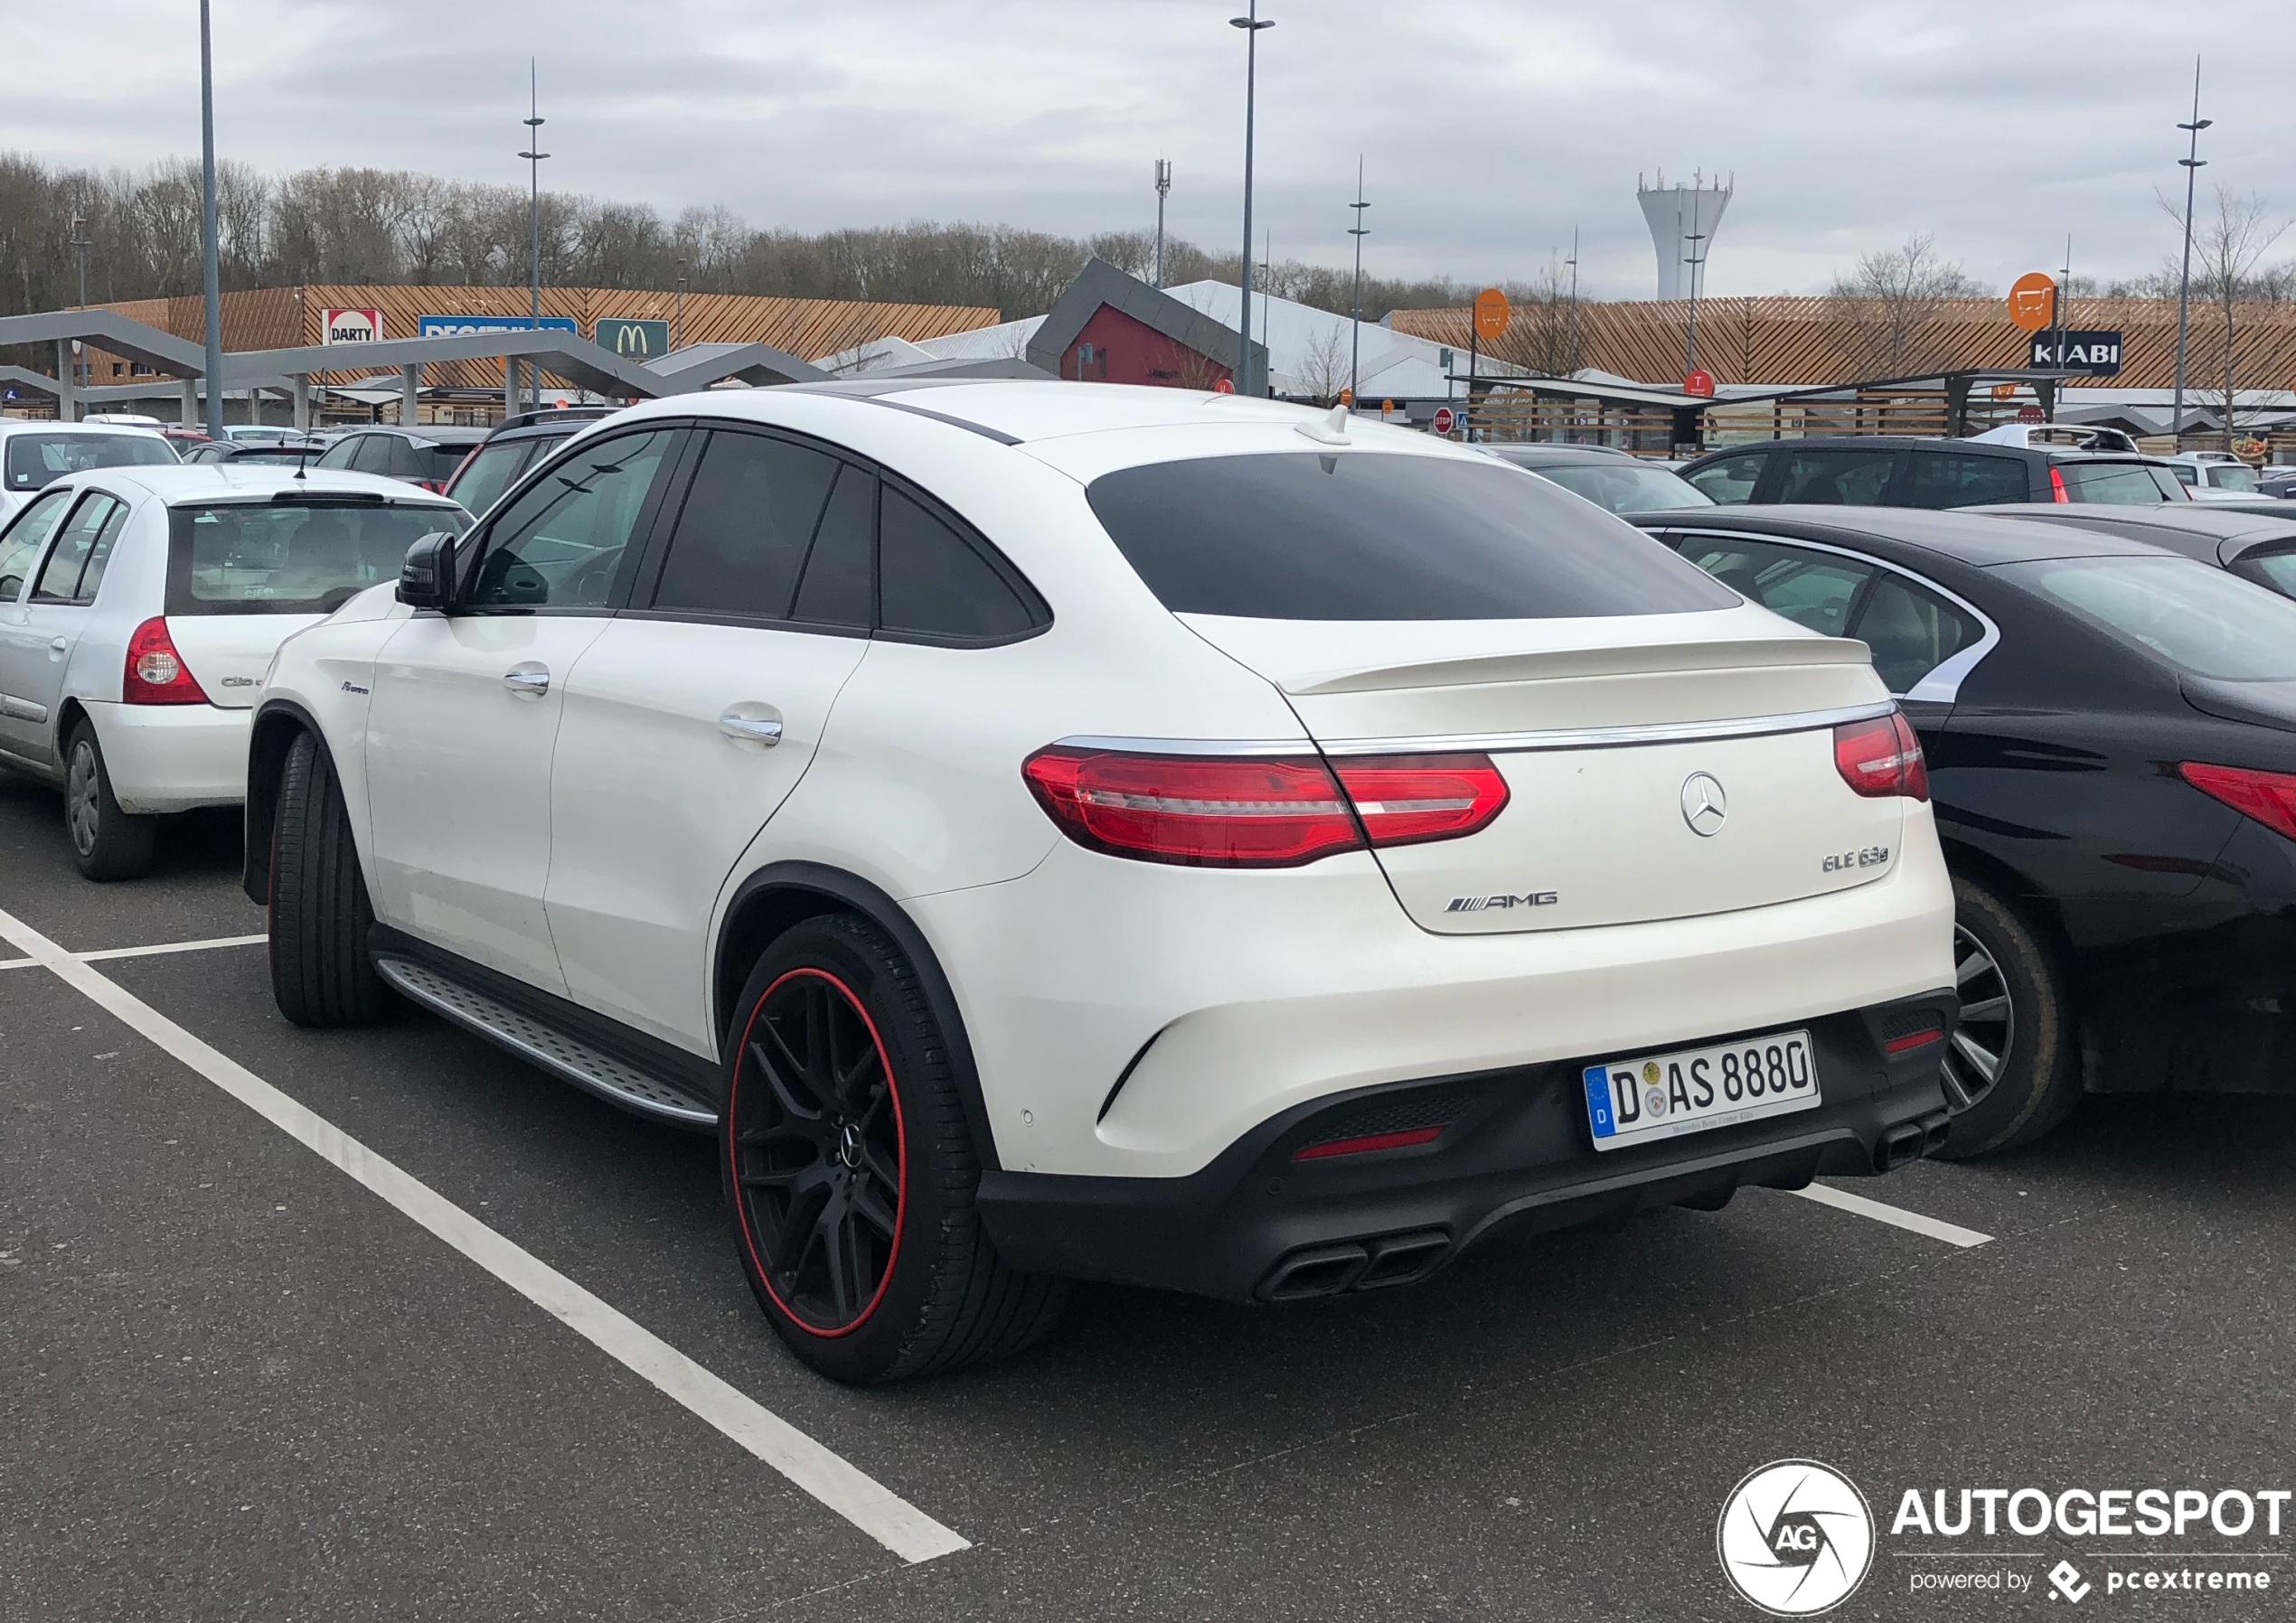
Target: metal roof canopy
<point x="576" y="360"/>
<point x="695" y="366"/>
<point x="109" y="331"/>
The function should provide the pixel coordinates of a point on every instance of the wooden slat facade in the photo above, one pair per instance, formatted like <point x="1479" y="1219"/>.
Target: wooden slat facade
<point x="1786" y="339"/>
<point x="274" y="318"/>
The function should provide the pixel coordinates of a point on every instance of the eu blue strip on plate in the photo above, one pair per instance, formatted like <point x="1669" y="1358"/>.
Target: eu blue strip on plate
<point x="1598" y="1101"/>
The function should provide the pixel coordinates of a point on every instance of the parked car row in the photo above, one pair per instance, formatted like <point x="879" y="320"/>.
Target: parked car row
<point x="1054" y="831"/>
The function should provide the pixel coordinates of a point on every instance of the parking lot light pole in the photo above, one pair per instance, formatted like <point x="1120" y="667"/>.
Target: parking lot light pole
<point x="209" y="274"/>
<point x="1570" y="333"/>
<point x="1162" y="188"/>
<point x="2192" y="163"/>
<point x="1251" y="23"/>
<point x="679" y="341"/>
<point x="533" y="157"/>
<point x="1358" y="231"/>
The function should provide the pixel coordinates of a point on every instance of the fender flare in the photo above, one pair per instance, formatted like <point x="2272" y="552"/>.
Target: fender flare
<point x="270" y="735"/>
<point x="781" y="894"/>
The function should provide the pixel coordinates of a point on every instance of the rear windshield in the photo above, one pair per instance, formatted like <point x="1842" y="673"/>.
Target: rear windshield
<point x="34" y="460"/>
<point x="290" y="558"/>
<point x="489" y="474"/>
<point x="1625" y="488"/>
<point x="2198" y="618"/>
<point x="1367" y="536"/>
<point x="438" y="462"/>
<point x="2128" y="484"/>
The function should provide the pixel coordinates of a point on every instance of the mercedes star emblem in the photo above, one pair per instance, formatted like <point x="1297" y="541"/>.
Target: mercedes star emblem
<point x="1704" y="805"/>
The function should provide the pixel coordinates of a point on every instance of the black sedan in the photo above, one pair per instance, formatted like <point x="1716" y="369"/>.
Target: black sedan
<point x="2253" y="541"/>
<point x="2110" y="731"/>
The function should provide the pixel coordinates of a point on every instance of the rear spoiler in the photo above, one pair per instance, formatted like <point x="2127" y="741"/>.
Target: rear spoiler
<point x="1634" y="660"/>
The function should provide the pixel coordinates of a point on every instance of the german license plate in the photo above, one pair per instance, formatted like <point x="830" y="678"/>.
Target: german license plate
<point x="1691" y="1090"/>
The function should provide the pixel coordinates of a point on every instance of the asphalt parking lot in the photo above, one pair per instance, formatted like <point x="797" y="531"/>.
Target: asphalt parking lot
<point x="241" y="1385"/>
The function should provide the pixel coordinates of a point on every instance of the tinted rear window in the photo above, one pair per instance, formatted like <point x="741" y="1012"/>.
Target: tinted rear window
<point x="288" y="558"/>
<point x="35" y="459"/>
<point x="490" y="472"/>
<point x="2128" y="484"/>
<point x="1367" y="536"/>
<point x="2195" y="617"/>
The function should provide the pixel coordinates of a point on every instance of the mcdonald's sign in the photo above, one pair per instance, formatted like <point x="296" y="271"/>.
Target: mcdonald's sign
<point x="638" y="340"/>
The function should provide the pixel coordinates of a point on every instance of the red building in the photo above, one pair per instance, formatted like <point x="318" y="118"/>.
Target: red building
<point x="1109" y="327"/>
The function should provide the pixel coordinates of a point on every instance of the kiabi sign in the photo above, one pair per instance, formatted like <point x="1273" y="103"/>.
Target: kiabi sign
<point x="2098" y="355"/>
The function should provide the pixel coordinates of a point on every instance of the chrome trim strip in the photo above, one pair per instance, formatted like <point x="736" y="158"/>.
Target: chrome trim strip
<point x="1189" y="747"/>
<point x="1614" y="737"/>
<point x="393" y="971"/>
<point x="1598" y="738"/>
<point x="1942" y="684"/>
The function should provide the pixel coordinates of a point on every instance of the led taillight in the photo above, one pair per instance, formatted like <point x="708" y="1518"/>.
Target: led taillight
<point x="1259" y="811"/>
<point x="1404" y="798"/>
<point x="156" y="673"/>
<point x="1197" y="811"/>
<point x="2057" y="492"/>
<point x="1881" y="757"/>
<point x="2268" y="797"/>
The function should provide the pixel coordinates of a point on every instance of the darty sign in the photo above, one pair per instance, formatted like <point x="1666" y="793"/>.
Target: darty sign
<point x="350" y="327"/>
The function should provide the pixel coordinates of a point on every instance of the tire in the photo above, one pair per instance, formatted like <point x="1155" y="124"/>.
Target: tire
<point x="2015" y="1009"/>
<point x="107" y="843"/>
<point x="877" y="1169"/>
<point x="322" y="973"/>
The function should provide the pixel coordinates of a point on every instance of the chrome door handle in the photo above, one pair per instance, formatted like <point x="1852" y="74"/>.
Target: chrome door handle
<point x="528" y="679"/>
<point x="752" y="724"/>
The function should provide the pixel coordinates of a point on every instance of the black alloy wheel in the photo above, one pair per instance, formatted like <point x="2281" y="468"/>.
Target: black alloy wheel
<point x="819" y="1158"/>
<point x="1986" y="1036"/>
<point x="849" y="1165"/>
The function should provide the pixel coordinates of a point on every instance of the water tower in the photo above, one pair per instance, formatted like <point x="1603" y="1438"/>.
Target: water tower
<point x="1682" y="220"/>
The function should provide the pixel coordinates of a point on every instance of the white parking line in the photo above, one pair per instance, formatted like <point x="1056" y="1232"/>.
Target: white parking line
<point x="894" y="1523"/>
<point x="1935" y="1227"/>
<point x="153" y="952"/>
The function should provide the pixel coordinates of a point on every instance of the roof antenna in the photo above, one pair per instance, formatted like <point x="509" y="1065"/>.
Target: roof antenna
<point x="1330" y="429"/>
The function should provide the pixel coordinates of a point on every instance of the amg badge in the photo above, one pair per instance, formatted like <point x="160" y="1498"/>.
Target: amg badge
<point x="1536" y="898"/>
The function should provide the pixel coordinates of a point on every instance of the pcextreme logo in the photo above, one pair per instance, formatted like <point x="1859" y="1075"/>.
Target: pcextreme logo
<point x="1796" y="1538"/>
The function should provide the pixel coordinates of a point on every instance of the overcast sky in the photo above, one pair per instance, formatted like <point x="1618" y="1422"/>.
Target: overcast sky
<point x="1489" y="128"/>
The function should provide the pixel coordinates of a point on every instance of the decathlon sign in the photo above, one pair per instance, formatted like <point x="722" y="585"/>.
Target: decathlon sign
<point x="470" y="326"/>
<point x="350" y="327"/>
<point x="2098" y="355"/>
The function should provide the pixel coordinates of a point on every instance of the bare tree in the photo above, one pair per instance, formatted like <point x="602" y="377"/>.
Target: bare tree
<point x="1888" y="306"/>
<point x="1323" y="366"/>
<point x="1542" y="335"/>
<point x="2228" y="246"/>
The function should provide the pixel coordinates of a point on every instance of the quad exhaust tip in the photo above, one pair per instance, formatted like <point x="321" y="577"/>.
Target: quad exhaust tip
<point x="1908" y="1142"/>
<point x="1321" y="1271"/>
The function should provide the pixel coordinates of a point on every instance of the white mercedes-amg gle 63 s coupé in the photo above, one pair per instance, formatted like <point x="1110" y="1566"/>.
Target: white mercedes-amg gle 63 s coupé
<point x="1054" y="831"/>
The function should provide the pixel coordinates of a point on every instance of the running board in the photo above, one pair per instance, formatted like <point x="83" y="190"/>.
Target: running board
<point x="538" y="1042"/>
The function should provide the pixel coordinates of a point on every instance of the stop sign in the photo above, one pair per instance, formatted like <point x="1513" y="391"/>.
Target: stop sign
<point x="1445" y="419"/>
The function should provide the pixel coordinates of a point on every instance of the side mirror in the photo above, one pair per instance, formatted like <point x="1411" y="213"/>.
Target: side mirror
<point x="426" y="579"/>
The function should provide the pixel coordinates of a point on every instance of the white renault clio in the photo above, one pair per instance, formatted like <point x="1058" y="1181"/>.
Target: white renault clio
<point x="1052" y="830"/>
<point x="138" y="607"/>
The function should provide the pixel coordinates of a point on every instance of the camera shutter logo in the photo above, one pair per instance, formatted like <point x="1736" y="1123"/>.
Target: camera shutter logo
<point x="1796" y="1538"/>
